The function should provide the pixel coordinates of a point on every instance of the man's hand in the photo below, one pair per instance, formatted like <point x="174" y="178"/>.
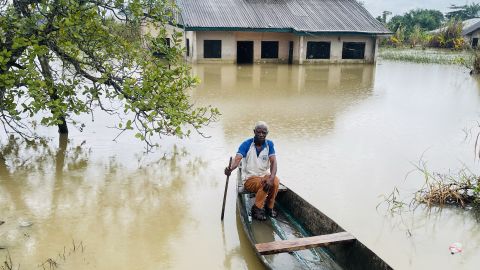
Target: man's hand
<point x="267" y="184"/>
<point x="228" y="171"/>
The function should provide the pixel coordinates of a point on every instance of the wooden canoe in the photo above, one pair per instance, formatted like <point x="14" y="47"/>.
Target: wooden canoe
<point x="302" y="237"/>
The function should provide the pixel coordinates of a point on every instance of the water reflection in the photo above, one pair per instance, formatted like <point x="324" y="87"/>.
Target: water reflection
<point x="242" y="252"/>
<point x="344" y="135"/>
<point x="111" y="209"/>
<point x="291" y="99"/>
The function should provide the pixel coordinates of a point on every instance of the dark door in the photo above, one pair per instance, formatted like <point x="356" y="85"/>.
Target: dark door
<point x="244" y="52"/>
<point x="290" y="53"/>
<point x="475" y="42"/>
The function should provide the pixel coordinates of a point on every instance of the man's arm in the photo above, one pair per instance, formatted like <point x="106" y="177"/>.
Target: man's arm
<point x="273" y="168"/>
<point x="234" y="165"/>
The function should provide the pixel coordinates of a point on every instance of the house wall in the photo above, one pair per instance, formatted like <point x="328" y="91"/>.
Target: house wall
<point x="154" y="31"/>
<point x="229" y="47"/>
<point x="472" y="35"/>
<point x="336" y="48"/>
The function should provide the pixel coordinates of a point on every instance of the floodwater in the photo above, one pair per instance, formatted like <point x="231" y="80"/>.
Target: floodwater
<point x="345" y="135"/>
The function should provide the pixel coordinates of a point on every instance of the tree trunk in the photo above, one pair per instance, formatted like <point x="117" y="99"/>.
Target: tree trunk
<point x="62" y="128"/>
<point x="47" y="75"/>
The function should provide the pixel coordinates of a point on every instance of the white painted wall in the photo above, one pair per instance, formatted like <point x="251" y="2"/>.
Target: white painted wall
<point x="336" y="47"/>
<point x="229" y="45"/>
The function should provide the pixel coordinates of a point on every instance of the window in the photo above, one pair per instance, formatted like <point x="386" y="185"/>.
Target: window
<point x="212" y="49"/>
<point x="318" y="50"/>
<point x="163" y="51"/>
<point x="188" y="47"/>
<point x="353" y="50"/>
<point x="269" y="49"/>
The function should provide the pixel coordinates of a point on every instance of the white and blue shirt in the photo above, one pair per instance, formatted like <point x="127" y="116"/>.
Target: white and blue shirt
<point x="255" y="162"/>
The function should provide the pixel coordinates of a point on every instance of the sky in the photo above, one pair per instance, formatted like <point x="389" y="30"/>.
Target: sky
<point x="399" y="7"/>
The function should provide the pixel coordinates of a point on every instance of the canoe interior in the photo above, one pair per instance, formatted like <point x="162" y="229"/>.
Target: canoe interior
<point x="296" y="219"/>
<point x="349" y="255"/>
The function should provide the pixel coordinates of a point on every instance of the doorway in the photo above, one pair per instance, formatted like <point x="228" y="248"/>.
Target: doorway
<point x="290" y="52"/>
<point x="244" y="52"/>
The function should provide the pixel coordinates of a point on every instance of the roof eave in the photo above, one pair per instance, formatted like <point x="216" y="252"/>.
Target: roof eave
<point x="285" y="30"/>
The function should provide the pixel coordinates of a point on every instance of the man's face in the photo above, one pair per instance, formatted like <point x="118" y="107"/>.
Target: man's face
<point x="260" y="134"/>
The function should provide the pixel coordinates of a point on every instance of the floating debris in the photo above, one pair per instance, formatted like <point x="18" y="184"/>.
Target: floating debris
<point x="25" y="223"/>
<point x="455" y="248"/>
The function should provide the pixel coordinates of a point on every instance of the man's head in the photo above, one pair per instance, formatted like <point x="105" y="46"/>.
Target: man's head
<point x="260" y="130"/>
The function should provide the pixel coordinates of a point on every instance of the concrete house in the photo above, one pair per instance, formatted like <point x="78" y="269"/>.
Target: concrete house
<point x="471" y="31"/>
<point x="279" y="31"/>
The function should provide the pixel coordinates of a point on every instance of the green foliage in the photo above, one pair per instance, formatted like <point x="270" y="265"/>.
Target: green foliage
<point x="426" y="19"/>
<point x="464" y="12"/>
<point x="449" y="36"/>
<point x="398" y="38"/>
<point x="61" y="58"/>
<point x="418" y="36"/>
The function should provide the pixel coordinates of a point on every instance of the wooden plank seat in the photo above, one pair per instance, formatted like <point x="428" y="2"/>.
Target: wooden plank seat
<point x="242" y="190"/>
<point x="302" y="243"/>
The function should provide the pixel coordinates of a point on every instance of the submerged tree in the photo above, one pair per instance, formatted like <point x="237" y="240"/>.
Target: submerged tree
<point x="61" y="58"/>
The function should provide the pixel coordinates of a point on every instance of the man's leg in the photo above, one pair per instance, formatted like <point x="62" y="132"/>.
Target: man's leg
<point x="272" y="193"/>
<point x="255" y="184"/>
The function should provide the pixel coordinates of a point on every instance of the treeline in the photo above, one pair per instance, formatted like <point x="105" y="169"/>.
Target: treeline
<point x="415" y="28"/>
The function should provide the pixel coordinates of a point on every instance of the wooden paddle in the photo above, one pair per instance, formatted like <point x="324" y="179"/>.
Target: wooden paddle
<point x="226" y="188"/>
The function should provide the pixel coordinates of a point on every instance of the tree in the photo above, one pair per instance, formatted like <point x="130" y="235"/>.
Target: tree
<point x="464" y="12"/>
<point x="395" y="22"/>
<point x="426" y="19"/>
<point x="416" y="36"/>
<point x="62" y="58"/>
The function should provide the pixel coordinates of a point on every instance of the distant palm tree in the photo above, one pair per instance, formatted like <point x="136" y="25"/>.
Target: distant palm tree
<point x="464" y="12"/>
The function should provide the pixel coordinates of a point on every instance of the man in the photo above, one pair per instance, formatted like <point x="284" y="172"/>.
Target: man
<point x="259" y="171"/>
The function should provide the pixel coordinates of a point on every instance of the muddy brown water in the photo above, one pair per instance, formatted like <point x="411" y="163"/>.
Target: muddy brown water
<point x="344" y="134"/>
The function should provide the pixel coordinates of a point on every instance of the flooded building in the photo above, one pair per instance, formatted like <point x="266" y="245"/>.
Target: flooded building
<point x="471" y="31"/>
<point x="279" y="31"/>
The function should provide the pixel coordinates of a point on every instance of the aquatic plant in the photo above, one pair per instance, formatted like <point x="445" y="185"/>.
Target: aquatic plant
<point x="475" y="66"/>
<point x="427" y="56"/>
<point x="8" y="263"/>
<point x="459" y="188"/>
<point x="393" y="201"/>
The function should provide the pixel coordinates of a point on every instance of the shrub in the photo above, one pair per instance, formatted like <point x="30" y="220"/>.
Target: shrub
<point x="449" y="36"/>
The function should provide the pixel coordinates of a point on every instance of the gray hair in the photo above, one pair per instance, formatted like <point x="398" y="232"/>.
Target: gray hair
<point x="260" y="124"/>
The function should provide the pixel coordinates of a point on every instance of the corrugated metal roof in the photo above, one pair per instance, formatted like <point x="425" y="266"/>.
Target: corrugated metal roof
<point x="470" y="26"/>
<point x="295" y="15"/>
